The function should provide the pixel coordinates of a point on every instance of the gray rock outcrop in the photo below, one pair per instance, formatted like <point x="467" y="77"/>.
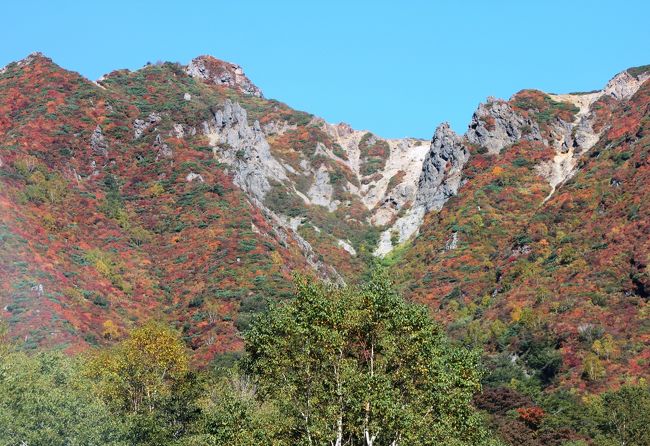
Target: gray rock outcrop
<point x="98" y="143"/>
<point x="244" y="147"/>
<point x="321" y="191"/>
<point x="142" y="125"/>
<point x="496" y="125"/>
<point x="162" y="149"/>
<point x="440" y="179"/>
<point x="441" y="171"/>
<point x="624" y="85"/>
<point x="223" y="73"/>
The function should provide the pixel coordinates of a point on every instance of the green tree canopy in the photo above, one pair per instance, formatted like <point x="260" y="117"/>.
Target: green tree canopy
<point x="353" y="365"/>
<point x="44" y="401"/>
<point x="145" y="379"/>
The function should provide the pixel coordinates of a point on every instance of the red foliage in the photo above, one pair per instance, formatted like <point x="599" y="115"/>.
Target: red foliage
<point x="532" y="416"/>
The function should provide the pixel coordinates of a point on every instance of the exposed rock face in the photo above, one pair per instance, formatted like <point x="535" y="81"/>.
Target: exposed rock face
<point x="223" y="73"/>
<point x="452" y="243"/>
<point x="142" y="125"/>
<point x="345" y="244"/>
<point x="395" y="188"/>
<point x="441" y="170"/>
<point x="496" y="125"/>
<point x="193" y="176"/>
<point x="409" y="177"/>
<point x="163" y="150"/>
<point x="570" y="139"/>
<point x="440" y="178"/>
<point x="398" y="198"/>
<point x="245" y="148"/>
<point x="578" y="137"/>
<point x="321" y="191"/>
<point x="98" y="143"/>
<point x="624" y="85"/>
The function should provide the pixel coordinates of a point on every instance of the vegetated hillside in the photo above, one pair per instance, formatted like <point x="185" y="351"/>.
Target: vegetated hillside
<point x="181" y="193"/>
<point x="177" y="192"/>
<point x="112" y="215"/>
<point x="542" y="256"/>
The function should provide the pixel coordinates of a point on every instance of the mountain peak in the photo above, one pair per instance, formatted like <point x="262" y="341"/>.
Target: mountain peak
<point x="28" y="60"/>
<point x="219" y="72"/>
<point x="626" y="83"/>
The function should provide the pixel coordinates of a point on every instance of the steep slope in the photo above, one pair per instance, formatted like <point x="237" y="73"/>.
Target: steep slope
<point x="331" y="187"/>
<point x="542" y="254"/>
<point x="180" y="192"/>
<point x="114" y="210"/>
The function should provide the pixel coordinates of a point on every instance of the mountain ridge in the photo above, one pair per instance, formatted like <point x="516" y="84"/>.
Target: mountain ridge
<point x="180" y="192"/>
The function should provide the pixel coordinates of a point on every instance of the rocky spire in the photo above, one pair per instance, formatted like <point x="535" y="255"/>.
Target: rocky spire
<point x="440" y="179"/>
<point x="441" y="171"/>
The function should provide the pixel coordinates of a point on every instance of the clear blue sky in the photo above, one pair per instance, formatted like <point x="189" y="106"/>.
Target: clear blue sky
<point x="397" y="68"/>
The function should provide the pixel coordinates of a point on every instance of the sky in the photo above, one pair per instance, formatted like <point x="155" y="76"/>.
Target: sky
<point x="397" y="68"/>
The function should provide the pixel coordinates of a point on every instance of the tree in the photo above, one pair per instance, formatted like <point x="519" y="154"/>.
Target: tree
<point x="232" y="415"/>
<point x="44" y="401"/>
<point x="623" y="416"/>
<point x="361" y="366"/>
<point x="139" y="372"/>
<point x="146" y="380"/>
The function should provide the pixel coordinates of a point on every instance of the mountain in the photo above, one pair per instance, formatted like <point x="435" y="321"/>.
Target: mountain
<point x="182" y="193"/>
<point x="542" y="254"/>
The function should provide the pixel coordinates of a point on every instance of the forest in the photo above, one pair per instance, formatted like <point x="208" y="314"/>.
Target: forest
<point x="331" y="365"/>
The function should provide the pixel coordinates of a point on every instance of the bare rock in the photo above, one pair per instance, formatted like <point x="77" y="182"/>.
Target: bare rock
<point x="142" y="125"/>
<point x="98" y="143"/>
<point x="441" y="171"/>
<point x="345" y="244"/>
<point x="496" y="125"/>
<point x="38" y="290"/>
<point x="192" y="176"/>
<point x="624" y="85"/>
<point x="244" y="147"/>
<point x="440" y="179"/>
<point x="321" y="190"/>
<point x="219" y="72"/>
<point x="163" y="150"/>
<point x="452" y="242"/>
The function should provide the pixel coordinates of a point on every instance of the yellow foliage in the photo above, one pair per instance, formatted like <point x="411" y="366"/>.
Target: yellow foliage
<point x="529" y="318"/>
<point x="49" y="222"/>
<point x="110" y="330"/>
<point x="155" y="190"/>
<point x="515" y="314"/>
<point x="605" y="347"/>
<point x="26" y="165"/>
<point x="122" y="217"/>
<point x="592" y="367"/>
<point x="276" y="258"/>
<point x="103" y="268"/>
<point x="108" y="267"/>
<point x="497" y="328"/>
<point x="139" y="372"/>
<point x="42" y="188"/>
<point x="74" y="294"/>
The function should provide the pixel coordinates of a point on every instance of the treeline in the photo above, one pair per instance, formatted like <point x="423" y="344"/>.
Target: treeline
<point x="331" y="366"/>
